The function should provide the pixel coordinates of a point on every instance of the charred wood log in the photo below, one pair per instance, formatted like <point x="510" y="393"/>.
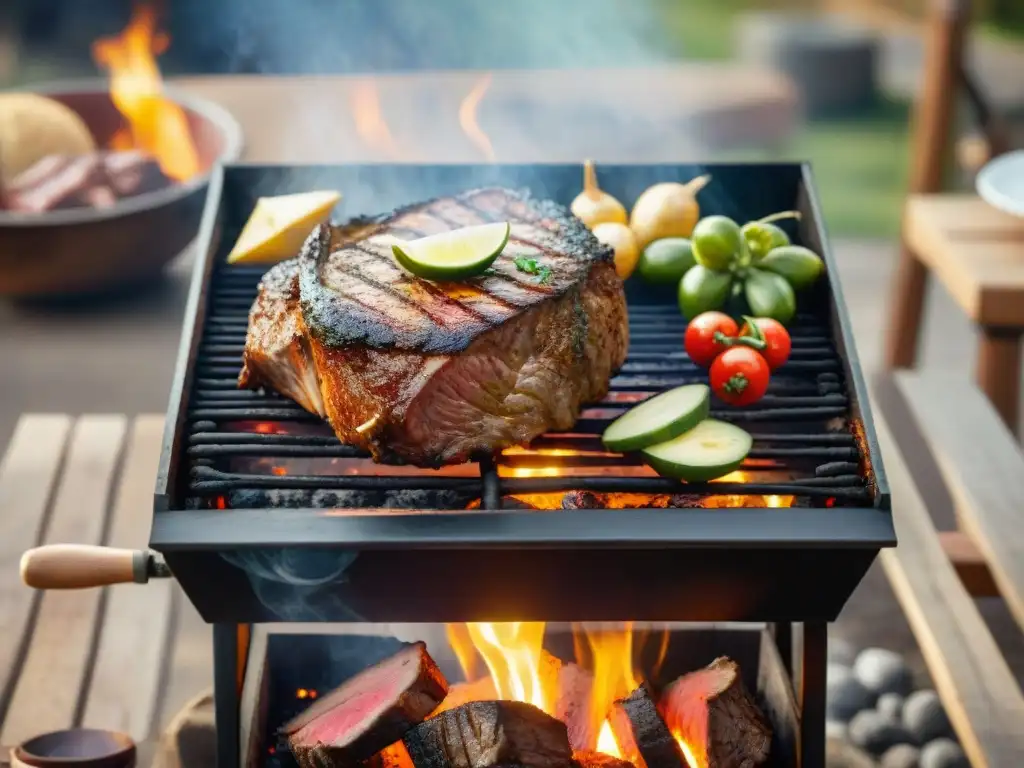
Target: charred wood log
<point x="651" y="737"/>
<point x="487" y="734"/>
<point x="717" y="717"/>
<point x="369" y="712"/>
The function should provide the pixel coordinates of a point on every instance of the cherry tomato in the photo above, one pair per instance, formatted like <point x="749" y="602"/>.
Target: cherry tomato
<point x="700" y="336"/>
<point x="776" y="339"/>
<point x="739" y="376"/>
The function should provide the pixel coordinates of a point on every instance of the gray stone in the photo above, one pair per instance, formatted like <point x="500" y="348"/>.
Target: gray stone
<point x="831" y="62"/>
<point x="943" y="753"/>
<point x="841" y="652"/>
<point x="835" y="730"/>
<point x="845" y="696"/>
<point x="925" y="718"/>
<point x="900" y="756"/>
<point x="883" y="671"/>
<point x="873" y="733"/>
<point x="890" y="706"/>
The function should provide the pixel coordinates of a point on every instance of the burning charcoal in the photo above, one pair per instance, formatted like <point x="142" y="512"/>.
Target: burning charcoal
<point x="582" y="500"/>
<point x="416" y="499"/>
<point x="716" y="716"/>
<point x="654" y="742"/>
<point x="585" y="758"/>
<point x="393" y="756"/>
<point x="369" y="712"/>
<point x="486" y="734"/>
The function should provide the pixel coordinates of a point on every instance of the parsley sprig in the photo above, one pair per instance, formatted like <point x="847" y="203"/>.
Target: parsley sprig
<point x="531" y="267"/>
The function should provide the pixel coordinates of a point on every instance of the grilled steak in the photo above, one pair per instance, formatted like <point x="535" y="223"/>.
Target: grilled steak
<point x="434" y="373"/>
<point x="369" y="711"/>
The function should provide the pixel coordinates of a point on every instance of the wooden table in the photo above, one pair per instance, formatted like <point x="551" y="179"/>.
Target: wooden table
<point x="977" y="253"/>
<point x="94" y="658"/>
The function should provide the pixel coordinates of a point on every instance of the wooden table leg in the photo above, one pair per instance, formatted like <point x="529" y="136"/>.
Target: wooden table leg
<point x="999" y="363"/>
<point x="945" y="32"/>
<point x="906" y="308"/>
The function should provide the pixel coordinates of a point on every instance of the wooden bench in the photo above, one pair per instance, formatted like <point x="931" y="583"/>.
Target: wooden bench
<point x="123" y="658"/>
<point x="977" y="254"/>
<point x="982" y="465"/>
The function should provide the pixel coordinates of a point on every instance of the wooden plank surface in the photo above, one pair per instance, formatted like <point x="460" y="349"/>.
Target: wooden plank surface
<point x="55" y="671"/>
<point x="976" y="251"/>
<point x="977" y="687"/>
<point x="132" y="650"/>
<point x="983" y="467"/>
<point x="27" y="473"/>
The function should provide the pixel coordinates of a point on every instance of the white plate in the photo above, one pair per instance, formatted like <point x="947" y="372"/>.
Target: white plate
<point x="1001" y="183"/>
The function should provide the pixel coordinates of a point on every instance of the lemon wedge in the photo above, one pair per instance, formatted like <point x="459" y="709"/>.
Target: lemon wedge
<point x="453" y="255"/>
<point x="278" y="226"/>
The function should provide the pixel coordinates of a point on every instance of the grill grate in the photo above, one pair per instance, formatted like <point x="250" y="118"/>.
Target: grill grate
<point x="803" y="447"/>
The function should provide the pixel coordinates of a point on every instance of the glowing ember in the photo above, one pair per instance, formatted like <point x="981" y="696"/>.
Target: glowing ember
<point x="471" y="127"/>
<point x="606" y="741"/>
<point x="156" y="124"/>
<point x="369" y="118"/>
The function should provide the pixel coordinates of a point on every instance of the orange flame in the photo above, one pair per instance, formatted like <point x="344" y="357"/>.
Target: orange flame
<point x="470" y="126"/>
<point x="369" y="118"/>
<point x="520" y="670"/>
<point x="156" y="125"/>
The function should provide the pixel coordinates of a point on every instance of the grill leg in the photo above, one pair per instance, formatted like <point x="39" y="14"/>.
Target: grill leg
<point x="225" y="694"/>
<point x="809" y="681"/>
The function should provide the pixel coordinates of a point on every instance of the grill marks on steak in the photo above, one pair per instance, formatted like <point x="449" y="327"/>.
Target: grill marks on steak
<point x="369" y="712"/>
<point x="433" y="373"/>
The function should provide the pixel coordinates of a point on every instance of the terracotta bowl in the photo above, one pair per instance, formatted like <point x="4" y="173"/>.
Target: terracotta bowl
<point x="76" y="748"/>
<point x="85" y="251"/>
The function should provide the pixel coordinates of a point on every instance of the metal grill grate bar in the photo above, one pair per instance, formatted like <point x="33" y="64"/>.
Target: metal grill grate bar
<point x="798" y="427"/>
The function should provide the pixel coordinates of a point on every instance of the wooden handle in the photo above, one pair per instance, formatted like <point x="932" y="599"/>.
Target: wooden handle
<point x="79" y="566"/>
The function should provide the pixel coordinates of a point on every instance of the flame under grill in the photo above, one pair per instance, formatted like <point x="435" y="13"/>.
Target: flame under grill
<point x="257" y="449"/>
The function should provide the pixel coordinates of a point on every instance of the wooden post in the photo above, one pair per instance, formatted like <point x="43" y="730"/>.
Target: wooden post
<point x="930" y="142"/>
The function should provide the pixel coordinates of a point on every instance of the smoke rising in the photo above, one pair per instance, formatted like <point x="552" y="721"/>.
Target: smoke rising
<point x="373" y="36"/>
<point x="298" y="585"/>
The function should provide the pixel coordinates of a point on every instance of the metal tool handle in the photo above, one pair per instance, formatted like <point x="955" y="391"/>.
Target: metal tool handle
<point x="81" y="566"/>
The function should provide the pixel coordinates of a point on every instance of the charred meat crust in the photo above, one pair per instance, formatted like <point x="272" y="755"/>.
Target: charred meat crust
<point x="442" y="318"/>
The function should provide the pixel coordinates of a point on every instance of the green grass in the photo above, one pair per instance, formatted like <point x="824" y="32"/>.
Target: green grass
<point x="860" y="163"/>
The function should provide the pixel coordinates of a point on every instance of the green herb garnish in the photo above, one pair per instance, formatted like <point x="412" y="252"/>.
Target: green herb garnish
<point x="531" y="267"/>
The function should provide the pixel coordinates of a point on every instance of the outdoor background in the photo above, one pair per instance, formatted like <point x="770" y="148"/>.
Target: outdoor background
<point x="860" y="158"/>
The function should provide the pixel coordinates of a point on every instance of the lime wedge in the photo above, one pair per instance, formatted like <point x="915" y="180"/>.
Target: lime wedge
<point x="453" y="255"/>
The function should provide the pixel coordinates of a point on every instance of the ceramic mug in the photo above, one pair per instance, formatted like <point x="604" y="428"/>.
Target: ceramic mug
<point x="76" y="748"/>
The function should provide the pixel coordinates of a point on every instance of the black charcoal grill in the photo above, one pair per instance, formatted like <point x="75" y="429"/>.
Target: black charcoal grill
<point x="264" y="517"/>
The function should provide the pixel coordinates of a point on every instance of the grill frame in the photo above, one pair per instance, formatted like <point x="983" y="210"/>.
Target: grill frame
<point x="728" y="550"/>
